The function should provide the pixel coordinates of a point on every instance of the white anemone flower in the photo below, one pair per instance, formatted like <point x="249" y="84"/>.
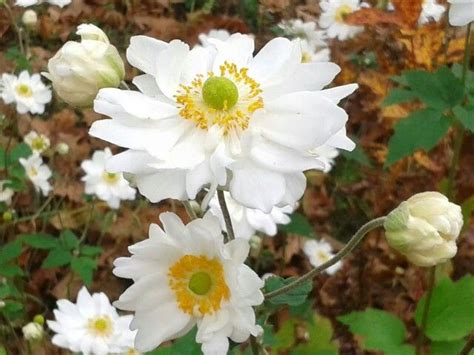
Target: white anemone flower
<point x="38" y="173"/>
<point x="27" y="92"/>
<point x="91" y="326"/>
<point x="184" y="276"/>
<point x="26" y="3"/>
<point x="319" y="252"/>
<point x="461" y="12"/>
<point x="333" y="17"/>
<point x="107" y="186"/>
<point x="6" y="193"/>
<point x="217" y="116"/>
<point x="247" y="221"/>
<point x="221" y="34"/>
<point x="37" y="142"/>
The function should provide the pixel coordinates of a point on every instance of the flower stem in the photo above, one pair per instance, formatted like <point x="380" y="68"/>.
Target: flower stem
<point x="353" y="242"/>
<point x="189" y="210"/>
<point x="225" y="213"/>
<point x="426" y="310"/>
<point x="458" y="128"/>
<point x="469" y="345"/>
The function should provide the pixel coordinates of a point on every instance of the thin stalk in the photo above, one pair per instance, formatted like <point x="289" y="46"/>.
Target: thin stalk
<point x="469" y="345"/>
<point x="353" y="242"/>
<point x="426" y="310"/>
<point x="124" y="85"/>
<point x="254" y="345"/>
<point x="225" y="213"/>
<point x="189" y="210"/>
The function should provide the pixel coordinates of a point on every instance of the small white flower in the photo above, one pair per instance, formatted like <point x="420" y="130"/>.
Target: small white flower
<point x="27" y="92"/>
<point x="320" y="252"/>
<point x="333" y="17"/>
<point x="186" y="275"/>
<point x="26" y="3"/>
<point x="219" y="117"/>
<point x="461" y="12"/>
<point x="33" y="331"/>
<point x="37" y="142"/>
<point x="107" y="186"/>
<point x="91" y="326"/>
<point x="37" y="172"/>
<point x="247" y="221"/>
<point x="310" y="53"/>
<point x="430" y="9"/>
<point x="213" y="34"/>
<point x="6" y="193"/>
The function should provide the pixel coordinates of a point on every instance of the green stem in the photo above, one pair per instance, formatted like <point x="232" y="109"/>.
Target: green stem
<point x="426" y="310"/>
<point x="469" y="345"/>
<point x="189" y="209"/>
<point x="353" y="242"/>
<point x="225" y="213"/>
<point x="254" y="345"/>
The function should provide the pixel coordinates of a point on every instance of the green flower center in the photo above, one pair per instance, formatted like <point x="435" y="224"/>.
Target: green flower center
<point x="24" y="90"/>
<point x="38" y="144"/>
<point x="110" y="178"/>
<point x="220" y="93"/>
<point x="200" y="283"/>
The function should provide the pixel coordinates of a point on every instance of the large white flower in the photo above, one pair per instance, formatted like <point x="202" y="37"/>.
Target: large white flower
<point x="186" y="275"/>
<point x="461" y="12"/>
<point x="319" y="252"/>
<point x="37" y="172"/>
<point x="91" y="326"/>
<point x="247" y="221"/>
<point x="109" y="187"/>
<point x="333" y="17"/>
<point x="27" y="92"/>
<point x="6" y="193"/>
<point x="37" y="142"/>
<point x="26" y="3"/>
<point x="217" y="116"/>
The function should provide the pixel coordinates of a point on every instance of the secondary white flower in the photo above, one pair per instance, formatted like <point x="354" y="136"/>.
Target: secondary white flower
<point x="27" y="92"/>
<point x="430" y="9"/>
<point x="91" y="326"/>
<point x="37" y="172"/>
<point x="333" y="17"/>
<point x="461" y="12"/>
<point x="247" y="221"/>
<point x="424" y="228"/>
<point x="186" y="275"/>
<point x="217" y="116"/>
<point x="310" y="53"/>
<point x="37" y="142"/>
<point x="222" y="35"/>
<point x="29" y="18"/>
<point x="107" y="186"/>
<point x="319" y="252"/>
<point x="79" y="70"/>
<point x="6" y="193"/>
<point x="33" y="331"/>
<point x="26" y="3"/>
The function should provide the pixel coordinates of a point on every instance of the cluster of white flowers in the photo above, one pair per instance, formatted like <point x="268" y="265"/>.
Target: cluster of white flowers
<point x="107" y="186"/>
<point x="91" y="326"/>
<point x="26" y="3"/>
<point x="319" y="252"/>
<point x="26" y="91"/>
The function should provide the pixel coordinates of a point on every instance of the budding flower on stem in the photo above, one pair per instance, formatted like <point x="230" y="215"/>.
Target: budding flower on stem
<point x="80" y="69"/>
<point x="29" y="19"/>
<point x="424" y="228"/>
<point x="33" y="331"/>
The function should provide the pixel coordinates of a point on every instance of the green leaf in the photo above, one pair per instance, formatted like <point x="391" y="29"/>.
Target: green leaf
<point x="447" y="347"/>
<point x="320" y="339"/>
<point x="465" y="115"/>
<point x="451" y="314"/>
<point x="10" y="270"/>
<point x="89" y="250"/>
<point x="379" y="330"/>
<point x="420" y="130"/>
<point x="57" y="257"/>
<point x="69" y="239"/>
<point x="21" y="150"/>
<point x="293" y="297"/>
<point x="250" y="12"/>
<point x="298" y="225"/>
<point x="21" y="61"/>
<point x="285" y="337"/>
<point x="84" y="267"/>
<point x="397" y="96"/>
<point x="10" y="251"/>
<point x="358" y="155"/>
<point x="40" y="241"/>
<point x="12" y="309"/>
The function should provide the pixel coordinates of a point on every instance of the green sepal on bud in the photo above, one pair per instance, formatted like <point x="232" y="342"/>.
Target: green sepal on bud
<point x="398" y="218"/>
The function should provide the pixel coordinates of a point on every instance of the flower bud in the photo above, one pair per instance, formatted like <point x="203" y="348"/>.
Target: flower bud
<point x="424" y="228"/>
<point x="29" y="19"/>
<point x="79" y="70"/>
<point x="7" y="216"/>
<point x="39" y="319"/>
<point x="62" y="148"/>
<point x="33" y="331"/>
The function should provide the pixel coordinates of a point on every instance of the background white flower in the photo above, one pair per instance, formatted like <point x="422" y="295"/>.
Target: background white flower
<point x="27" y="92"/>
<point x="37" y="142"/>
<point x="430" y="9"/>
<point x="107" y="186"/>
<point x="247" y="221"/>
<point x="186" y="275"/>
<point x="37" y="172"/>
<point x="310" y="53"/>
<point x="91" y="326"/>
<point x="461" y="12"/>
<point x="6" y="193"/>
<point x="213" y="34"/>
<point x="26" y="3"/>
<point x="248" y="126"/>
<point x="333" y="17"/>
<point x="319" y="252"/>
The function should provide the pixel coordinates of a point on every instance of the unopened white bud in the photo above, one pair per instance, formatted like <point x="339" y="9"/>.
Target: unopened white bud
<point x="29" y="19"/>
<point x="62" y="148"/>
<point x="33" y="331"/>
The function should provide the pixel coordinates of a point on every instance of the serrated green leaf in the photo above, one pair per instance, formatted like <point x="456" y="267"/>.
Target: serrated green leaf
<point x="69" y="239"/>
<point x="84" y="267"/>
<point x="465" y="115"/>
<point x="90" y="250"/>
<point x="293" y="297"/>
<point x="40" y="241"/>
<point x="379" y="330"/>
<point x="57" y="257"/>
<point x="451" y="314"/>
<point x="398" y="96"/>
<point x="420" y="130"/>
<point x="298" y="225"/>
<point x="10" y="251"/>
<point x="447" y="347"/>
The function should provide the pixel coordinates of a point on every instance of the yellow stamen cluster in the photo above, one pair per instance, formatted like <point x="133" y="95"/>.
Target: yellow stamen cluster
<point x="230" y="117"/>
<point x="32" y="172"/>
<point x="199" y="284"/>
<point x="100" y="326"/>
<point x="24" y="90"/>
<point x="342" y="12"/>
<point x="110" y="178"/>
<point x="38" y="144"/>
